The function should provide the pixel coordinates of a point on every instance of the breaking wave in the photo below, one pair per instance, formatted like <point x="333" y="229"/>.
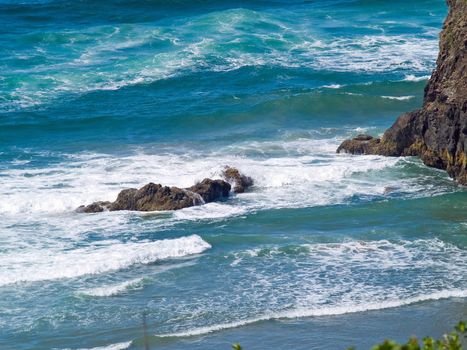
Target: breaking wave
<point x="42" y="265"/>
<point x="325" y="311"/>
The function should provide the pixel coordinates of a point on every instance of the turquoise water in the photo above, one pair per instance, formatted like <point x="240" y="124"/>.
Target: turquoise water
<point x="326" y="251"/>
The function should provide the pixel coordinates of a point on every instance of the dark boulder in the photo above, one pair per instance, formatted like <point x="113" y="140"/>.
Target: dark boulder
<point x="154" y="197"/>
<point x="211" y="190"/>
<point x="125" y="199"/>
<point x="239" y="181"/>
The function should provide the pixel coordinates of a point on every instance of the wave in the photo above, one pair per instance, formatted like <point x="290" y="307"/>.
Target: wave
<point x="112" y="290"/>
<point x="43" y="264"/>
<point x="325" y="311"/>
<point x="321" y="279"/>
<point x="379" y="254"/>
<point x="399" y="98"/>
<point x="116" y="346"/>
<point x="91" y="177"/>
<point x="411" y="77"/>
<point x="333" y="86"/>
<point x="287" y="174"/>
<point x="147" y="54"/>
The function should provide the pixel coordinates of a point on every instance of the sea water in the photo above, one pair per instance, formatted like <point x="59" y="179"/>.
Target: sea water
<point x="326" y="251"/>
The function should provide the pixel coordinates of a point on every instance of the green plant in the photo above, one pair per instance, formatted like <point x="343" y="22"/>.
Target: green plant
<point x="450" y="341"/>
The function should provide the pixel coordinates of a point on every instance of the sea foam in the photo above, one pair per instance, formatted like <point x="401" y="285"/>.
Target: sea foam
<point x="116" y="346"/>
<point x="41" y="265"/>
<point x="325" y="311"/>
<point x="286" y="173"/>
<point x="112" y="290"/>
<point x="323" y="279"/>
<point x="398" y="98"/>
<point x="411" y="77"/>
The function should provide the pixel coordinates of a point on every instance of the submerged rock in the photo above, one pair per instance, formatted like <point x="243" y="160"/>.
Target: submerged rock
<point x="437" y="132"/>
<point x="388" y="190"/>
<point x="95" y="207"/>
<point x="240" y="182"/>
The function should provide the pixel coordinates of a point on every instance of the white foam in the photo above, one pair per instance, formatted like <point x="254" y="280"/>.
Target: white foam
<point x="85" y="178"/>
<point x="77" y="72"/>
<point x="287" y="173"/>
<point x="325" y="311"/>
<point x="321" y="279"/>
<point x="112" y="290"/>
<point x="48" y="264"/>
<point x="372" y="53"/>
<point x="411" y="77"/>
<point x="116" y="346"/>
<point x="209" y="211"/>
<point x="353" y="94"/>
<point x="399" y="98"/>
<point x="332" y="86"/>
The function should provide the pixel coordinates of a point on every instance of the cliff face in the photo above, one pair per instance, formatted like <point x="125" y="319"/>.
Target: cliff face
<point x="437" y="132"/>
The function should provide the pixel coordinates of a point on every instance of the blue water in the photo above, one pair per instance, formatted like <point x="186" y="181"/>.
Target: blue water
<point x="326" y="251"/>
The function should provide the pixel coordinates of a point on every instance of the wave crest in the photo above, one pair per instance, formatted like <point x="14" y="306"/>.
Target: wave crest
<point x="326" y="311"/>
<point x="45" y="265"/>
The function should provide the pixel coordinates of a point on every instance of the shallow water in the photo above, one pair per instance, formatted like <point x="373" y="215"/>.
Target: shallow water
<point x="98" y="97"/>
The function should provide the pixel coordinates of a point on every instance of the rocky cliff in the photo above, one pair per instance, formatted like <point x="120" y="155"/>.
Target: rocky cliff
<point x="437" y="132"/>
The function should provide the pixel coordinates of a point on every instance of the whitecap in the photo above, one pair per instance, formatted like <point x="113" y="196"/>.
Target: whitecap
<point x="50" y="264"/>
<point x="399" y="98"/>
<point x="116" y="346"/>
<point x="333" y="86"/>
<point x="287" y="173"/>
<point x="323" y="279"/>
<point x="324" y="311"/>
<point x="112" y="290"/>
<point x="411" y="77"/>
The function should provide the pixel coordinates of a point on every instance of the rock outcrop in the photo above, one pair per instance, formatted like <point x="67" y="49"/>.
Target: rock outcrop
<point x="155" y="197"/>
<point x="152" y="197"/>
<point x="437" y="132"/>
<point x="239" y="181"/>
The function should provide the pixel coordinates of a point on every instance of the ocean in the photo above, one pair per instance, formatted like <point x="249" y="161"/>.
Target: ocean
<point x="325" y="251"/>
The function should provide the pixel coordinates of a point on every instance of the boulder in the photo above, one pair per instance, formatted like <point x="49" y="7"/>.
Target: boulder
<point x="239" y="181"/>
<point x="211" y="190"/>
<point x="155" y="197"/>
